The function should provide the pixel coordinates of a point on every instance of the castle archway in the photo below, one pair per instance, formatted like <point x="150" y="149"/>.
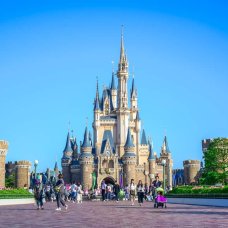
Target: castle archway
<point x="109" y="180"/>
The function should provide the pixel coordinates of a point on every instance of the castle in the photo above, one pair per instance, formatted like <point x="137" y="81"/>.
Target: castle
<point x="119" y="150"/>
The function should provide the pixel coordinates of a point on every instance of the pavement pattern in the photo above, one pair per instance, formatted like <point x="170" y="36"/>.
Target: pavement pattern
<point x="113" y="214"/>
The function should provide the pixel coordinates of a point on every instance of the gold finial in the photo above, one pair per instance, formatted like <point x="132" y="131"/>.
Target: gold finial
<point x="69" y="126"/>
<point x="86" y="121"/>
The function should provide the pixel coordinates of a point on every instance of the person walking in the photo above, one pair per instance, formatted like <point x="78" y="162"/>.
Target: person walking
<point x="59" y="191"/>
<point x="39" y="194"/>
<point x="109" y="191"/>
<point x="79" y="193"/>
<point x="140" y="192"/>
<point x="73" y="192"/>
<point x="116" y="190"/>
<point x="103" y="188"/>
<point x="132" y="192"/>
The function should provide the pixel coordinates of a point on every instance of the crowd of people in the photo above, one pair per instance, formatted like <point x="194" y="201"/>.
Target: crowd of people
<point x="62" y="193"/>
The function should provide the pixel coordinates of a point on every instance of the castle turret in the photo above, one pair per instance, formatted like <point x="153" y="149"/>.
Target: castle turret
<point x="3" y="153"/>
<point x="166" y="154"/>
<point x="86" y="162"/>
<point x="66" y="160"/>
<point x="191" y="170"/>
<point x="23" y="174"/>
<point x="129" y="160"/>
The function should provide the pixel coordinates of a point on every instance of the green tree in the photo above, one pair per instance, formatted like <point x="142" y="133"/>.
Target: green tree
<point x="10" y="181"/>
<point x="216" y="162"/>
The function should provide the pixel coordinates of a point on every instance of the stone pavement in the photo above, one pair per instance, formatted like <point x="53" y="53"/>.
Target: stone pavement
<point x="113" y="214"/>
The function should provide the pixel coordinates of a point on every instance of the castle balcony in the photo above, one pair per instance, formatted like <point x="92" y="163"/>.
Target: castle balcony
<point x="107" y="170"/>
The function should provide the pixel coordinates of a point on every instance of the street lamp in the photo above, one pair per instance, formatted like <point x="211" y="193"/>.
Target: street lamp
<point x="35" y="165"/>
<point x="163" y="164"/>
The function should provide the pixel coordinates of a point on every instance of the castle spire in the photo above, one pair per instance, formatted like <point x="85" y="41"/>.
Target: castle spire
<point x="143" y="139"/>
<point x="56" y="166"/>
<point x="151" y="150"/>
<point x="97" y="100"/>
<point x="113" y="85"/>
<point x="129" y="142"/>
<point x="68" y="144"/>
<point x="86" y="141"/>
<point x="133" y="89"/>
<point x="122" y="52"/>
<point x="165" y="146"/>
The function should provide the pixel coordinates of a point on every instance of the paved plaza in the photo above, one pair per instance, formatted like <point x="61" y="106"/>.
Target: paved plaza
<point x="113" y="214"/>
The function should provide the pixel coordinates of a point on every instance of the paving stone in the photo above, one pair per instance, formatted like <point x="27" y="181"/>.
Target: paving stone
<point x="112" y="214"/>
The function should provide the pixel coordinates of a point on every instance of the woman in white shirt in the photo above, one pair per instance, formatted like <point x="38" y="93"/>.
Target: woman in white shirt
<point x="79" y="193"/>
<point x="132" y="192"/>
<point x="140" y="191"/>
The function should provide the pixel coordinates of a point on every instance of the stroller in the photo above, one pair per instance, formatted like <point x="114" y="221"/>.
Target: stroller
<point x="160" y="200"/>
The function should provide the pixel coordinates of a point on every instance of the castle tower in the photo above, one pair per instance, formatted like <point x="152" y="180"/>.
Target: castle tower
<point x="129" y="160"/>
<point x="152" y="162"/>
<point x="122" y="100"/>
<point x="86" y="162"/>
<point x="3" y="153"/>
<point x="166" y="154"/>
<point x="23" y="174"/>
<point x="66" y="160"/>
<point x="191" y="169"/>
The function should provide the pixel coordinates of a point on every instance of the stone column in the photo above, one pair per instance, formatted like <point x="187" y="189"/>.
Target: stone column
<point x="23" y="174"/>
<point x="3" y="152"/>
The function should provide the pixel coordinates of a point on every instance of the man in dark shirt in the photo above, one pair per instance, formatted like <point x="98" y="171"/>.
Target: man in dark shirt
<point x="156" y="182"/>
<point x="116" y="190"/>
<point x="59" y="191"/>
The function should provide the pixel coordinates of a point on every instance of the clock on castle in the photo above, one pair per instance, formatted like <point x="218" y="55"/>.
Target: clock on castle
<point x="118" y="150"/>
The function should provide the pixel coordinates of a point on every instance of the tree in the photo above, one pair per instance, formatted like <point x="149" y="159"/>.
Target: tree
<point x="216" y="162"/>
<point x="10" y="181"/>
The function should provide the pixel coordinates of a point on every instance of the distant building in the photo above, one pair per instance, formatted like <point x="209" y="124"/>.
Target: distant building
<point x="178" y="177"/>
<point x="3" y="152"/>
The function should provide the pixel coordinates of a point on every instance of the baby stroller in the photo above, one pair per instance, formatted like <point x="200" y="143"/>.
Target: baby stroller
<point x="160" y="199"/>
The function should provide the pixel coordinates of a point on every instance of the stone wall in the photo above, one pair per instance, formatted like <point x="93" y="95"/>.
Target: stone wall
<point x="191" y="169"/>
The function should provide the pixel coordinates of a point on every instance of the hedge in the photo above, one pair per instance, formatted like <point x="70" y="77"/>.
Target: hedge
<point x="15" y="194"/>
<point x="199" y="190"/>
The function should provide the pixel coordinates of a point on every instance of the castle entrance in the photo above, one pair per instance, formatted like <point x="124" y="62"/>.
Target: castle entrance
<point x="109" y="180"/>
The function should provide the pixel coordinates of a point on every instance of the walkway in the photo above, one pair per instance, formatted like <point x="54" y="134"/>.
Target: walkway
<point x="112" y="214"/>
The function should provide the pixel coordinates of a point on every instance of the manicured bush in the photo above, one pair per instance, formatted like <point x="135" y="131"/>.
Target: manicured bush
<point x="15" y="194"/>
<point x="199" y="190"/>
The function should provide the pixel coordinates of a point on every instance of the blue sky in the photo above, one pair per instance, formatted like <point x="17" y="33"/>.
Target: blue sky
<point x="52" y="51"/>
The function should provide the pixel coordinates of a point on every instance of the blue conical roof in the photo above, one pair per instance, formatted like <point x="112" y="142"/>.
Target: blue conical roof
<point x="97" y="100"/>
<point x="113" y="85"/>
<point x="137" y="116"/>
<point x="165" y="143"/>
<point x="151" y="154"/>
<point x="86" y="141"/>
<point x="56" y="166"/>
<point x="133" y="89"/>
<point x="129" y="142"/>
<point x="68" y="144"/>
<point x="143" y="139"/>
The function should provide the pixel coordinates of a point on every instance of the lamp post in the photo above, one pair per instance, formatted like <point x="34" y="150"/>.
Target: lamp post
<point x="163" y="164"/>
<point x="35" y="165"/>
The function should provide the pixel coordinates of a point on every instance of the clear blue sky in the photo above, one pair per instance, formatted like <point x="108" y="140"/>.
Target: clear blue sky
<point x="52" y="51"/>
